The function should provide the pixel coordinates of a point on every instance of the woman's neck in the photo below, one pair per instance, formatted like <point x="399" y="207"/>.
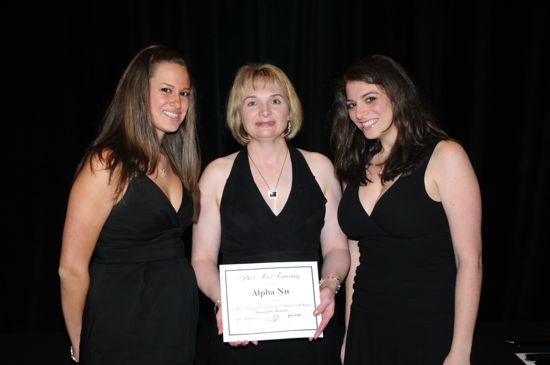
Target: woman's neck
<point x="268" y="152"/>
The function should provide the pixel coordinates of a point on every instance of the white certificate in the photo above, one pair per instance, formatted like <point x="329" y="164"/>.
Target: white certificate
<point x="269" y="301"/>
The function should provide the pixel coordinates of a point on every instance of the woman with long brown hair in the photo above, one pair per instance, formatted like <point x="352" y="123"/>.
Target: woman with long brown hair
<point x="129" y="294"/>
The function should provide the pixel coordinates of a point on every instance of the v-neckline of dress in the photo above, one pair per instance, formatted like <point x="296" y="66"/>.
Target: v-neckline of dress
<point x="378" y="200"/>
<point x="258" y="193"/>
<point x="165" y="197"/>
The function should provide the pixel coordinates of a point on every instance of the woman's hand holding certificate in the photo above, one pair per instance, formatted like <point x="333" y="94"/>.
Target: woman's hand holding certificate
<point x="272" y="301"/>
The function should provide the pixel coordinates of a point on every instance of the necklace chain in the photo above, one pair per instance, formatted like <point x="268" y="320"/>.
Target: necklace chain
<point x="377" y="166"/>
<point x="271" y="193"/>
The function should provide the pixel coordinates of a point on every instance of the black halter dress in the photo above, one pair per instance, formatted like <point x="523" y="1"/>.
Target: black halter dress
<point x="142" y="303"/>
<point x="403" y="301"/>
<point x="252" y="233"/>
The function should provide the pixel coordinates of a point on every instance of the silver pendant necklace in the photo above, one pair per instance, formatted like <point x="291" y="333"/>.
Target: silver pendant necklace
<point x="271" y="193"/>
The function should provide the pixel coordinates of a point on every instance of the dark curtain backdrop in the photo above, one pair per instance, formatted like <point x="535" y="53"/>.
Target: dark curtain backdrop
<point x="481" y="68"/>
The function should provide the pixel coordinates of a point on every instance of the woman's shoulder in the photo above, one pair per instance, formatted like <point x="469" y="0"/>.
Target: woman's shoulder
<point x="448" y="150"/>
<point x="321" y="167"/>
<point x="96" y="161"/>
<point x="219" y="168"/>
<point x="316" y="159"/>
<point x="94" y="178"/>
<point x="448" y="157"/>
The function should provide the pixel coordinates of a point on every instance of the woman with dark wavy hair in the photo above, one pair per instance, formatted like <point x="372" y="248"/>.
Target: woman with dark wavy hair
<point x="128" y="292"/>
<point x="412" y="212"/>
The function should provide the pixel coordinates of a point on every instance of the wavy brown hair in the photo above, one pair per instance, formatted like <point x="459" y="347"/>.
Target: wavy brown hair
<point x="417" y="132"/>
<point x="128" y="144"/>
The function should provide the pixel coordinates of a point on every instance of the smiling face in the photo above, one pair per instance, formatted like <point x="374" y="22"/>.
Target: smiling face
<point x="169" y="90"/>
<point x="370" y="108"/>
<point x="264" y="112"/>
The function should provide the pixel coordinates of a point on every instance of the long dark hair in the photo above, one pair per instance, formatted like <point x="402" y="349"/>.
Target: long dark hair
<point x="417" y="132"/>
<point x="127" y="143"/>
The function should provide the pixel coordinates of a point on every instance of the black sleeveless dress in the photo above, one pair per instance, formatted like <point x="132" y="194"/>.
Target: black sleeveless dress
<point x="252" y="233"/>
<point x="403" y="301"/>
<point x="142" y="303"/>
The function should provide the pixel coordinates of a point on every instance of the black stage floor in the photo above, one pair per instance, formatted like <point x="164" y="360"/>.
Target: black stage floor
<point x="490" y="346"/>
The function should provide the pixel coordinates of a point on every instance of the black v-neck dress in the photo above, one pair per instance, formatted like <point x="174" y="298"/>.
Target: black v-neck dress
<point x="252" y="233"/>
<point x="142" y="303"/>
<point x="403" y="300"/>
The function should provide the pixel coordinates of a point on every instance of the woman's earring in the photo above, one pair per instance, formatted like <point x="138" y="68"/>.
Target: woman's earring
<point x="288" y="128"/>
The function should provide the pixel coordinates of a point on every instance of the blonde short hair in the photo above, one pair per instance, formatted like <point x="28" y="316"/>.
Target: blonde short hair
<point x="249" y="77"/>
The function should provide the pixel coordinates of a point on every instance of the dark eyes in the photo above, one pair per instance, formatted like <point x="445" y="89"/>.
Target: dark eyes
<point x="168" y="90"/>
<point x="367" y="100"/>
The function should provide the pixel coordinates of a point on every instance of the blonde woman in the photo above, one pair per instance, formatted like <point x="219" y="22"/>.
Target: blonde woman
<point x="270" y="202"/>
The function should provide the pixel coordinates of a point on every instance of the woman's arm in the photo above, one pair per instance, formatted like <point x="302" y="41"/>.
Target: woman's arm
<point x="90" y="202"/>
<point x="207" y="232"/>
<point x="458" y="189"/>
<point x="207" y="235"/>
